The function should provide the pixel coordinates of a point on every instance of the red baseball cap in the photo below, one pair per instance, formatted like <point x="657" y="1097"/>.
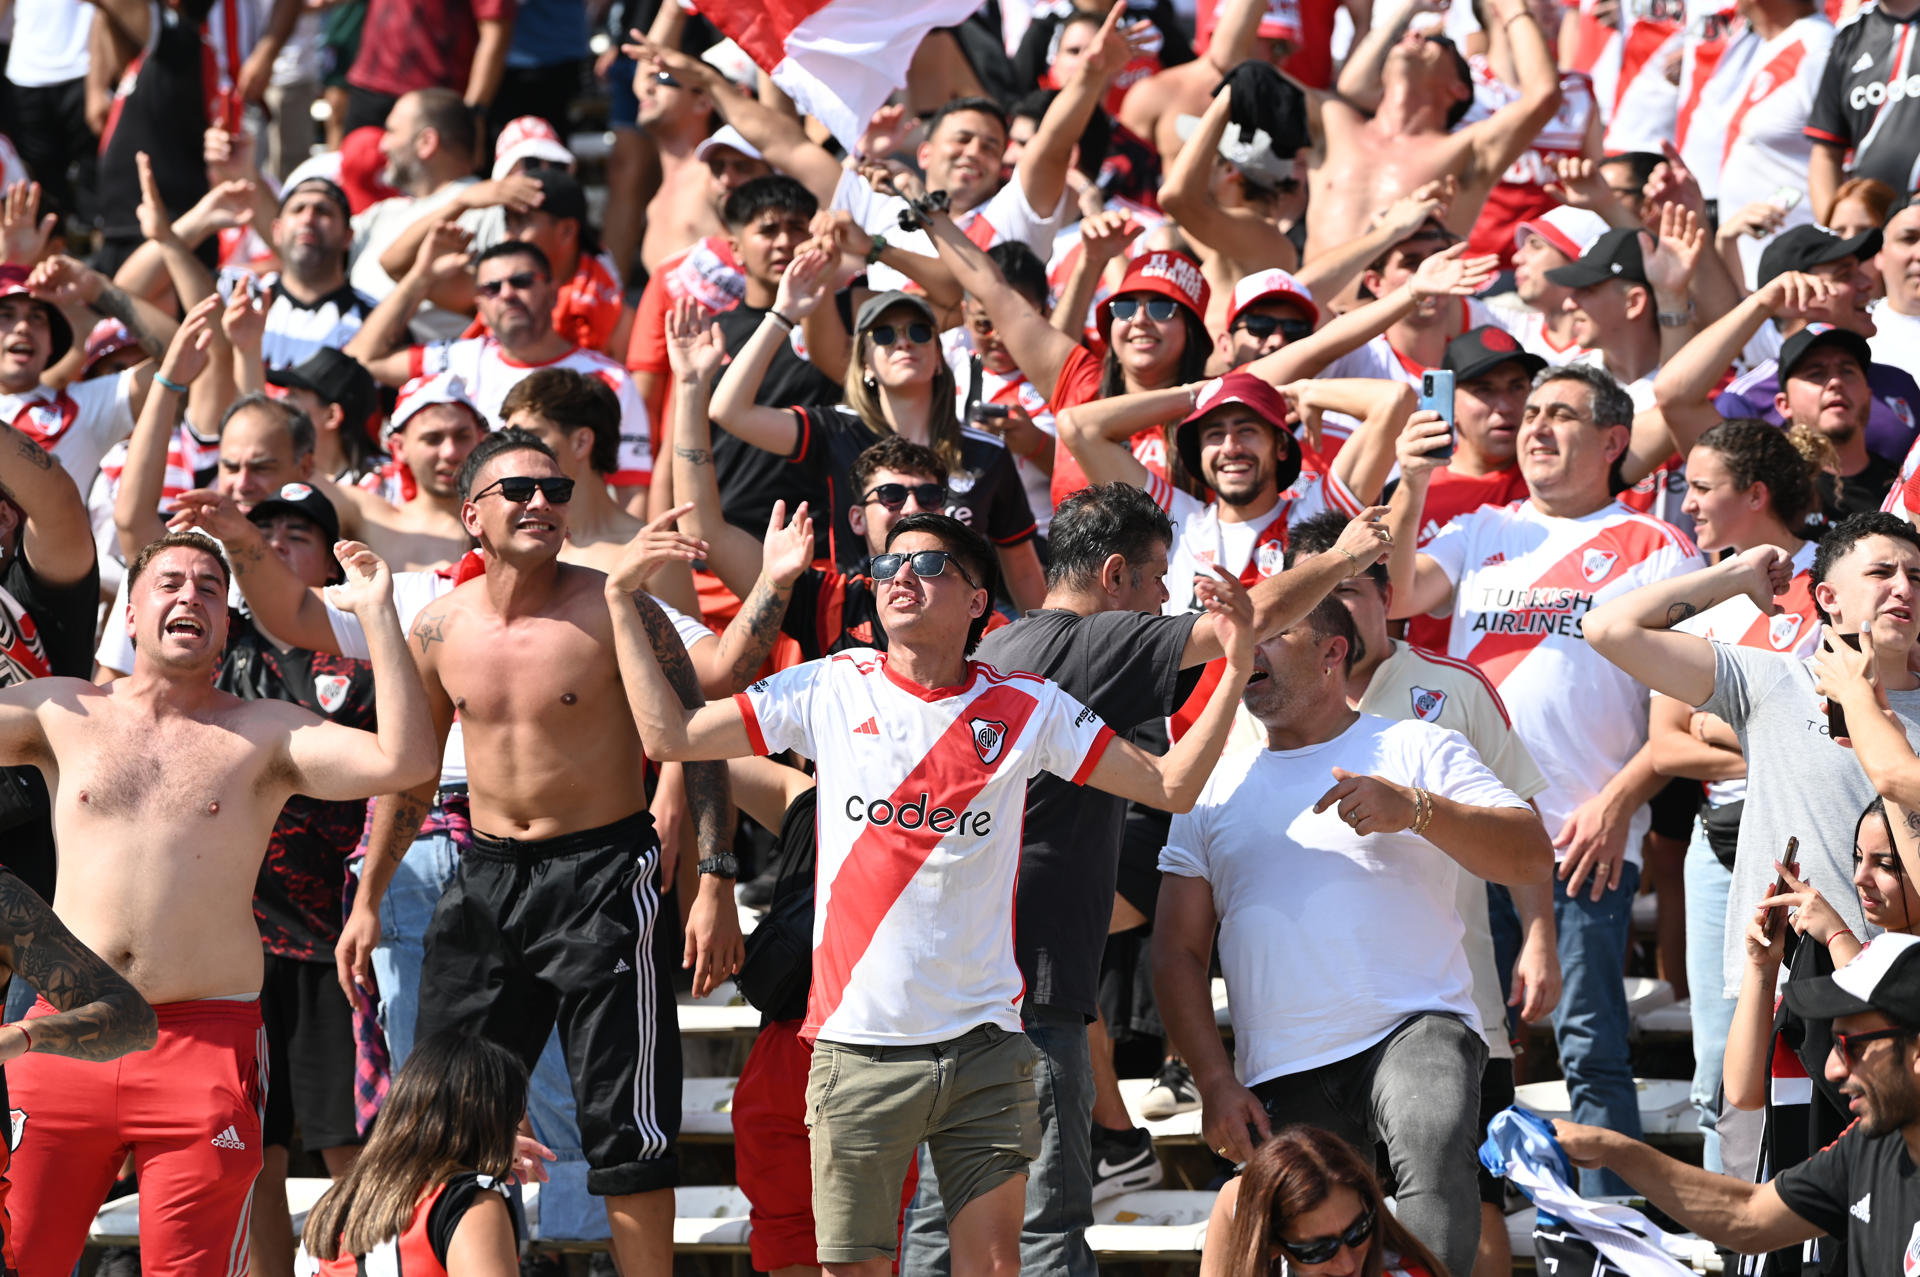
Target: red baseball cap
<point x="1240" y="388"/>
<point x="362" y="165"/>
<point x="1165" y="272"/>
<point x="13" y="283"/>
<point x="1266" y="285"/>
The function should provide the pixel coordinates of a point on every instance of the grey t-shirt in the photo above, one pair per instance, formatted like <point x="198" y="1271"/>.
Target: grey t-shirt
<point x="1799" y="785"/>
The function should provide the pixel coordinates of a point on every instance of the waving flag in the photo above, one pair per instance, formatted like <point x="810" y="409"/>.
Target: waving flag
<point x="838" y="60"/>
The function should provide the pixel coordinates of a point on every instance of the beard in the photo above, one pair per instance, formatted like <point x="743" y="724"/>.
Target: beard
<point x="1888" y="1109"/>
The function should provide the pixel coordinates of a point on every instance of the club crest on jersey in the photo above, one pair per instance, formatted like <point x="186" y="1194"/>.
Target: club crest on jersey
<point x="1596" y="565"/>
<point x="331" y="691"/>
<point x="17" y="1123"/>
<point x="989" y="738"/>
<point x="1427" y="704"/>
<point x="1782" y="630"/>
<point x="1910" y="1262"/>
<point x="1270" y="557"/>
<point x="1903" y="410"/>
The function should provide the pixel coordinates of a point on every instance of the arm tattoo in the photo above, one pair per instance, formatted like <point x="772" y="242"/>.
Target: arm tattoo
<point x="1913" y="821"/>
<point x="30" y="451"/>
<point x="430" y="628"/>
<point x="114" y="303"/>
<point x="101" y="1016"/>
<point x="707" y="790"/>
<point x="1680" y="612"/>
<point x="244" y="558"/>
<point x="698" y="456"/>
<point x="761" y="614"/>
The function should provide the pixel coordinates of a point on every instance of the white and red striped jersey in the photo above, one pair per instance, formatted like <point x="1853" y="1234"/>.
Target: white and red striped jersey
<point x="1521" y="191"/>
<point x="1903" y="498"/>
<point x="1523" y="582"/>
<point x="921" y="801"/>
<point x="1529" y="328"/>
<point x="1766" y="148"/>
<point x="1250" y="550"/>
<point x="1005" y="216"/>
<point x="490" y="373"/>
<point x="1718" y="54"/>
<point x="76" y="425"/>
<point x="1795" y="630"/>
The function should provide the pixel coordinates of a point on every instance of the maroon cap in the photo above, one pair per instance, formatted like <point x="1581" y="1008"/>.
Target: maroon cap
<point x="13" y="283"/>
<point x="1240" y="388"/>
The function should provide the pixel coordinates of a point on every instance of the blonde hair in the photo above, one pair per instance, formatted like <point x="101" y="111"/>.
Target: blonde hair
<point x="863" y="396"/>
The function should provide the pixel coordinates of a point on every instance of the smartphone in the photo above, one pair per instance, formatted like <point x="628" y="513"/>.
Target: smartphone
<point x="1786" y="199"/>
<point x="1837" y="717"/>
<point x="1436" y="393"/>
<point x="1776" y="918"/>
<point x="990" y="412"/>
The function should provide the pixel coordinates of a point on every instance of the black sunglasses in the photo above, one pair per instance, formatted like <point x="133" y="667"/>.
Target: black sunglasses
<point x="931" y="496"/>
<point x="666" y="78"/>
<point x="1261" y="327"/>
<point x="519" y="489"/>
<point x="1318" y="1250"/>
<point x="1159" y="309"/>
<point x="521" y="282"/>
<point x="925" y="564"/>
<point x="916" y="332"/>
<point x="1849" y="1044"/>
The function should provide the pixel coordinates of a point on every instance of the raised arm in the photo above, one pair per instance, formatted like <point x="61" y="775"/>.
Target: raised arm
<point x="1096" y="432"/>
<point x="1282" y="600"/>
<point x="696" y="353"/>
<point x="1633" y="630"/>
<point x="1240" y="234"/>
<point x="1675" y="750"/>
<point x="1040" y="349"/>
<point x="803" y="288"/>
<point x="100" y="1016"/>
<point x="383" y="343"/>
<point x="1502" y="137"/>
<point x="1328" y="269"/>
<point x="1685" y="385"/>
<point x="282" y="604"/>
<point x="1382" y="407"/>
<point x="1851" y="679"/>
<point x="335" y="762"/>
<point x="1420" y="585"/>
<point x="1044" y="161"/>
<point x="56" y="538"/>
<point x="1360" y="77"/>
<point x="1507" y="845"/>
<point x="136" y="505"/>
<point x="1172" y="781"/>
<point x="750" y="635"/>
<point x="669" y="730"/>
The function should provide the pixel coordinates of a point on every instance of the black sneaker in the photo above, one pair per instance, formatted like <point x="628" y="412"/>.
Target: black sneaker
<point x="756" y="893"/>
<point x="1123" y="1162"/>
<point x="1172" y="1092"/>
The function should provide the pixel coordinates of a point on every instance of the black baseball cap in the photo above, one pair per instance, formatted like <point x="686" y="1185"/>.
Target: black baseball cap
<point x="1488" y="346"/>
<point x="337" y="378"/>
<point x="561" y="195"/>
<point x="1615" y="255"/>
<point x="1798" y="346"/>
<point x="303" y="501"/>
<point x="1883" y="977"/>
<point x="1801" y="247"/>
<point x="327" y="186"/>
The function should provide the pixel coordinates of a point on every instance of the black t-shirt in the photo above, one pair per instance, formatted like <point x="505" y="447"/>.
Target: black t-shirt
<point x="452" y="1205"/>
<point x="164" y="114"/>
<point x="1866" y="1190"/>
<point x="1857" y="493"/>
<point x="1125" y="667"/>
<point x="45" y="630"/>
<point x="298" y="896"/>
<point x="1869" y="97"/>
<point x="831" y="611"/>
<point x="985" y="493"/>
<point x="751" y="479"/>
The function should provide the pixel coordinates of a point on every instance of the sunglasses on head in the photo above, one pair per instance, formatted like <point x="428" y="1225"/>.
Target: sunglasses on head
<point x="1261" y="327"/>
<point x="931" y="496"/>
<point x="519" y="489"/>
<point x="1159" y="309"/>
<point x="1849" y="1044"/>
<point x="1318" y="1250"/>
<point x="926" y="564"/>
<point x="917" y="332"/>
<point x="520" y="283"/>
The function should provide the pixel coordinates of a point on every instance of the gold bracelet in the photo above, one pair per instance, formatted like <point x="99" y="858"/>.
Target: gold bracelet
<point x="1426" y="812"/>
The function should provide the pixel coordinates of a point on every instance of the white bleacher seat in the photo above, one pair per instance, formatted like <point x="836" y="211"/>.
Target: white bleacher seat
<point x="1181" y="1128"/>
<point x="722" y="1013"/>
<point x="1220" y="1016"/>
<point x="1672" y="1020"/>
<point x="1665" y="1109"/>
<point x="1138" y="1226"/>
<point x="118" y="1223"/>
<point x="706" y="1109"/>
<point x="1645" y="995"/>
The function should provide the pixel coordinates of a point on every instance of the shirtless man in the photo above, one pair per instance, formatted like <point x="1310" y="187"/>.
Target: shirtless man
<point x="433" y="429"/>
<point x="1360" y="162"/>
<point x="164" y="792"/>
<point x="1153" y="106"/>
<point x="678" y="116"/>
<point x="525" y="655"/>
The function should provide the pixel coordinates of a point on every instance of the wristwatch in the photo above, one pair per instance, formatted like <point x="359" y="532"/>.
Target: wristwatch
<point x="1675" y="318"/>
<point x="724" y="865"/>
<point x="878" y="247"/>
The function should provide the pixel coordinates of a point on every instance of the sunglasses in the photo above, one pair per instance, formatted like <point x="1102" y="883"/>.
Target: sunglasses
<point x="519" y="489"/>
<point x="926" y="564"/>
<point x="1261" y="327"/>
<point x="931" y="496"/>
<point x="1159" y="309"/>
<point x="519" y="282"/>
<point x="666" y="78"/>
<point x="918" y="333"/>
<point x="1849" y="1044"/>
<point x="1318" y="1250"/>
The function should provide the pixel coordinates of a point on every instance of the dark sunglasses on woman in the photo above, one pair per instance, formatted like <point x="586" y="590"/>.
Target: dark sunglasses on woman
<point x="917" y="332"/>
<point x="926" y="564"/>
<point x="1318" y="1250"/>
<point x="1159" y="309"/>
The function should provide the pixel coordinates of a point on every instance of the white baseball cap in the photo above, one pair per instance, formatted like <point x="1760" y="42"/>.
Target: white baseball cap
<point x="1569" y="229"/>
<point x="528" y="138"/>
<point x="726" y="135"/>
<point x="425" y="392"/>
<point x="1266" y="285"/>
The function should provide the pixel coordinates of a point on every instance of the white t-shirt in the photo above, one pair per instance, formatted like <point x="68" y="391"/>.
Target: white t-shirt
<point x="921" y="797"/>
<point x="1005" y="216"/>
<point x="490" y="374"/>
<point x="1896" y="339"/>
<point x="1765" y="148"/>
<point x="1330" y="940"/>
<point x="1529" y="328"/>
<point x="1795" y="631"/>
<point x="1251" y="550"/>
<point x="77" y="425"/>
<point x="50" y="39"/>
<point x="1523" y="581"/>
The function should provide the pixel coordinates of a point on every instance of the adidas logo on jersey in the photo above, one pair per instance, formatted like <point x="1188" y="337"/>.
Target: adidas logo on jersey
<point x="229" y="1138"/>
<point x="1863" y="63"/>
<point x="869" y="728"/>
<point x="1862" y="1210"/>
<point x="1498" y="556"/>
<point x="620" y="967"/>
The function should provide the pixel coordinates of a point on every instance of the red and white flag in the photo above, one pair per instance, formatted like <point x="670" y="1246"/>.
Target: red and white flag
<point x="839" y="60"/>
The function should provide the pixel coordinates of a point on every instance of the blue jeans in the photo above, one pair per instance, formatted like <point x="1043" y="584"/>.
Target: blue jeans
<point x="418" y="881"/>
<point x="1590" y="1024"/>
<point x="1053" y="1239"/>
<point x="1708" y="884"/>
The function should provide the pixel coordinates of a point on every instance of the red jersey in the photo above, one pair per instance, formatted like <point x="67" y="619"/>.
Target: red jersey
<point x="1080" y="383"/>
<point x="421" y="1251"/>
<point x="1521" y="192"/>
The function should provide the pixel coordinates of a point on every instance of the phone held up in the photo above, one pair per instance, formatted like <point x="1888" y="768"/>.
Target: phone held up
<point x="1777" y="918"/>
<point x="1837" y="717"/>
<point x="1436" y="395"/>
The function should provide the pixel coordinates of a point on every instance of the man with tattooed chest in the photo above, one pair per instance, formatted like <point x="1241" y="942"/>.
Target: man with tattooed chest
<point x="165" y="789"/>
<point x="554" y="911"/>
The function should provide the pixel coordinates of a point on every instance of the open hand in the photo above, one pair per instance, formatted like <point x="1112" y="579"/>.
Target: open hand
<point x="1232" y="608"/>
<point x="1451" y="273"/>
<point x="186" y="356"/>
<point x="653" y="547"/>
<point x="368" y="587"/>
<point x="245" y="319"/>
<point x="789" y="544"/>
<point x="695" y="347"/>
<point x="23" y="232"/>
<point x="803" y="286"/>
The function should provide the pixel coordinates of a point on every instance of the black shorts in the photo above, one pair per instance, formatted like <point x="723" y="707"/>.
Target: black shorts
<point x="530" y="934"/>
<point x="310" y="1056"/>
<point x="1671" y="810"/>
<point x="1496" y="1093"/>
